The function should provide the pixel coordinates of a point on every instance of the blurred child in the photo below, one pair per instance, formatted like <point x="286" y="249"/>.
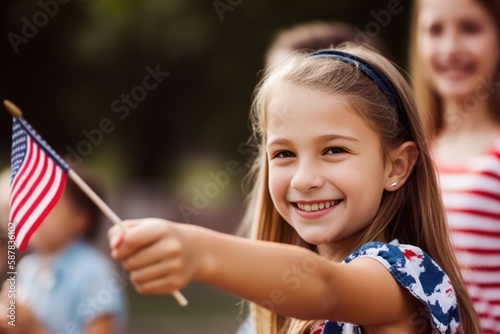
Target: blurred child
<point x="351" y="235"/>
<point x="456" y="66"/>
<point x="312" y="36"/>
<point x="65" y="285"/>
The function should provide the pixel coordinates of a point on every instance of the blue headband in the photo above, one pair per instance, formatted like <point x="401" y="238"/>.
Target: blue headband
<point x="376" y="75"/>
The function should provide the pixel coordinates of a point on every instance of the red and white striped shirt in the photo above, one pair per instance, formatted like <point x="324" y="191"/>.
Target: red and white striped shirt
<point x="471" y="196"/>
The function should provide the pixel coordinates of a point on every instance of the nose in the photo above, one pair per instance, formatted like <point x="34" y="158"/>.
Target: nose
<point x="307" y="177"/>
<point x="449" y="45"/>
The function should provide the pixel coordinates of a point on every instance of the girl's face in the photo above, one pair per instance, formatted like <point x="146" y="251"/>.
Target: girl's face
<point x="62" y="225"/>
<point x="326" y="171"/>
<point x="458" y="47"/>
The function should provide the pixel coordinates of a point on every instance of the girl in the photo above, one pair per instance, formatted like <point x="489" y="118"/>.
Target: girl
<point x="455" y="63"/>
<point x="65" y="285"/>
<point x="343" y="175"/>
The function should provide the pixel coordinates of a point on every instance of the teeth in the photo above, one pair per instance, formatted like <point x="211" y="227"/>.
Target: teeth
<point x="317" y="206"/>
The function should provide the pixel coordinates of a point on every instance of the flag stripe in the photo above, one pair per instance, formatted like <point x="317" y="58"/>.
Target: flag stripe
<point x="44" y="209"/>
<point x="37" y="193"/>
<point x="26" y="197"/>
<point x="20" y="182"/>
<point x="37" y="182"/>
<point x="43" y="191"/>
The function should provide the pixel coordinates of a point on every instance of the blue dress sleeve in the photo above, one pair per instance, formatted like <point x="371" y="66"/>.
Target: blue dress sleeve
<point x="415" y="271"/>
<point x="102" y="290"/>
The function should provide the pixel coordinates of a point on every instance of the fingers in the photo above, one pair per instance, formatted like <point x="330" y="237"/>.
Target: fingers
<point x="115" y="236"/>
<point x="162" y="277"/>
<point x="163" y="249"/>
<point x="116" y="233"/>
<point x="161" y="285"/>
<point x="152" y="251"/>
<point x="136" y="235"/>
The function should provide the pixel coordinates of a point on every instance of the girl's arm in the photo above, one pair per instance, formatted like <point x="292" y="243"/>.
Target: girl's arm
<point x="290" y="280"/>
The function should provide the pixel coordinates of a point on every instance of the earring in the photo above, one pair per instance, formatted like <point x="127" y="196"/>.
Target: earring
<point x="393" y="184"/>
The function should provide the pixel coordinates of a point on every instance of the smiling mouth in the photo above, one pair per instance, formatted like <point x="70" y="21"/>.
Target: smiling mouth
<point x="456" y="70"/>
<point x="317" y="206"/>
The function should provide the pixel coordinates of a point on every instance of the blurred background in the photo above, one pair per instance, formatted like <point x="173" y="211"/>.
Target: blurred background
<point x="154" y="95"/>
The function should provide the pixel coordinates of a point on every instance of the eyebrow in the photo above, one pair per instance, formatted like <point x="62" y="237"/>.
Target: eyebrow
<point x="323" y="138"/>
<point x="336" y="137"/>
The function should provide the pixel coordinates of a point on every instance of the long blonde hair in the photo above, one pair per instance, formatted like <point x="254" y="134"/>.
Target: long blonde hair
<point x="413" y="214"/>
<point x="428" y="100"/>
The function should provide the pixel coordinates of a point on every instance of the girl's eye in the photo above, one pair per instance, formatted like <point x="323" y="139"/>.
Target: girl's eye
<point x="471" y="28"/>
<point x="435" y="29"/>
<point x="335" y="150"/>
<point x="283" y="154"/>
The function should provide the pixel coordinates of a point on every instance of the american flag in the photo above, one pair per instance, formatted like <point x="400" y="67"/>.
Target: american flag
<point x="38" y="177"/>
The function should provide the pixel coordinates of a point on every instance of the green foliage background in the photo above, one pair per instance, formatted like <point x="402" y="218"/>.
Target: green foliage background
<point x="66" y="77"/>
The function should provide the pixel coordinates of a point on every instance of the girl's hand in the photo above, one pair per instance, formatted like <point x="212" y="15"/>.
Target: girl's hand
<point x="161" y="256"/>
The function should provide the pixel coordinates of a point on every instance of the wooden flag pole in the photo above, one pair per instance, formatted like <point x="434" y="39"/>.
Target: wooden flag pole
<point x="95" y="198"/>
<point x="16" y="112"/>
<point x="12" y="109"/>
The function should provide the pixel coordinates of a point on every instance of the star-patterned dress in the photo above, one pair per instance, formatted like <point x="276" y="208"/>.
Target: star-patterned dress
<point x="415" y="271"/>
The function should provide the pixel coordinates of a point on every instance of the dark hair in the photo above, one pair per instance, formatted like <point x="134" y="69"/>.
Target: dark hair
<point x="82" y="202"/>
<point x="493" y="7"/>
<point x="316" y="35"/>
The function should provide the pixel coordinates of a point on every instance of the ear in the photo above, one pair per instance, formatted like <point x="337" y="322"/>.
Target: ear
<point x="400" y="166"/>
